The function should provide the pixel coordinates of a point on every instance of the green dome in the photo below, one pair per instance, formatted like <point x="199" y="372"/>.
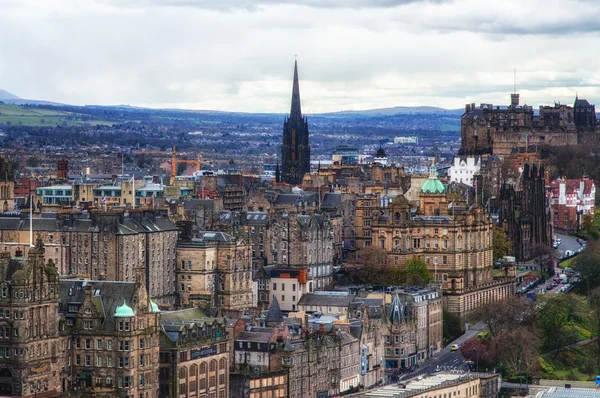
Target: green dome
<point x="154" y="306"/>
<point x="124" y="311"/>
<point x="433" y="184"/>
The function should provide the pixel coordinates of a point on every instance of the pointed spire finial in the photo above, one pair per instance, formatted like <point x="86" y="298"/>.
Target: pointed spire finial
<point x="296" y="111"/>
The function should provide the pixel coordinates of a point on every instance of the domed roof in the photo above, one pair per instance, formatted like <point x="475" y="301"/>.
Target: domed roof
<point x="381" y="153"/>
<point x="154" y="306"/>
<point x="400" y="200"/>
<point x="124" y="311"/>
<point x="433" y="184"/>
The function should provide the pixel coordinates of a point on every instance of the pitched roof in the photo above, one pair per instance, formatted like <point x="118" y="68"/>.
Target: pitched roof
<point x="274" y="315"/>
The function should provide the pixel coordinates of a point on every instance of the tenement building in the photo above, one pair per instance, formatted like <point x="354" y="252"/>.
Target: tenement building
<point x="33" y="354"/>
<point x="413" y="327"/>
<point x="214" y="270"/>
<point x="453" y="237"/>
<point x="194" y="355"/>
<point x="112" y="335"/>
<point x="103" y="245"/>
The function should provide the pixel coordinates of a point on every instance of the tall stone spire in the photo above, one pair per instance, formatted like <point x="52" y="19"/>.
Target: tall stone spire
<point x="296" y="111"/>
<point x="295" y="149"/>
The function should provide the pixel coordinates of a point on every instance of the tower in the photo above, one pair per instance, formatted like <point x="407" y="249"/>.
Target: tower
<point x="295" y="151"/>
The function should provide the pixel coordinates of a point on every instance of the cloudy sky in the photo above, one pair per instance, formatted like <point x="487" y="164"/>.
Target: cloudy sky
<point x="353" y="54"/>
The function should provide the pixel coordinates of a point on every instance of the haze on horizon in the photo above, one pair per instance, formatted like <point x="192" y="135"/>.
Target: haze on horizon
<point x="237" y="55"/>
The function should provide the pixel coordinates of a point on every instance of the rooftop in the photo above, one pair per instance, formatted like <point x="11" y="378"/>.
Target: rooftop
<point x="560" y="392"/>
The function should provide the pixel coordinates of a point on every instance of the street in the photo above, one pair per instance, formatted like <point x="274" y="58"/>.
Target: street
<point x="568" y="243"/>
<point x="447" y="359"/>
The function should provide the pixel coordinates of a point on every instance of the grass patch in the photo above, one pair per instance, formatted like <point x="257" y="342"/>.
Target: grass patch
<point x="24" y="116"/>
<point x="577" y="364"/>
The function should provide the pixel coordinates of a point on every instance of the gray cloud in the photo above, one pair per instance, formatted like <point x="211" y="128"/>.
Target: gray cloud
<point x="182" y="53"/>
<point x="257" y="4"/>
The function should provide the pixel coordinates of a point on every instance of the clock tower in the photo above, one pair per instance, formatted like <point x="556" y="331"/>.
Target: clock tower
<point x="295" y="151"/>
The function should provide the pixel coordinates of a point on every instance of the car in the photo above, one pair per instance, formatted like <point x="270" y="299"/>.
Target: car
<point x="454" y="347"/>
<point x="558" y="240"/>
<point x="549" y="286"/>
<point x="555" y="245"/>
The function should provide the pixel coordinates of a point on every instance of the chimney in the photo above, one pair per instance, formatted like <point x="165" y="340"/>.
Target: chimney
<point x="467" y="108"/>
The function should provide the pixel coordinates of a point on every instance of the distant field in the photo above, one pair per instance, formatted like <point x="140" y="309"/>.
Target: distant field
<point x="18" y="115"/>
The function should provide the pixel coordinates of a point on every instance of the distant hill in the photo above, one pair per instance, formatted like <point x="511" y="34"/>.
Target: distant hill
<point x="5" y="95"/>
<point x="9" y="98"/>
<point x="398" y="110"/>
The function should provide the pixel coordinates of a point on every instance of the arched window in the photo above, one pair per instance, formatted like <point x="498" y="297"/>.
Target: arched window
<point x="183" y="372"/>
<point x="203" y="368"/>
<point x="222" y="363"/>
<point x="213" y="365"/>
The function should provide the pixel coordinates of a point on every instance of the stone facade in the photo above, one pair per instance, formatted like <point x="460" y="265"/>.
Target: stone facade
<point x="112" y="332"/>
<point x="194" y="355"/>
<point x="496" y="130"/>
<point x="214" y="269"/>
<point x="295" y="150"/>
<point x="103" y="246"/>
<point x="413" y="327"/>
<point x="32" y="352"/>
<point x="526" y="213"/>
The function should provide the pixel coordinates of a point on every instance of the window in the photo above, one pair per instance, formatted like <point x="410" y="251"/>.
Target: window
<point x="283" y="287"/>
<point x="109" y="345"/>
<point x="274" y="286"/>
<point x="99" y="344"/>
<point x="142" y="344"/>
<point x="99" y="361"/>
<point x="124" y="345"/>
<point x="293" y="287"/>
<point x="126" y="326"/>
<point x="88" y="360"/>
<point x="88" y="344"/>
<point x="282" y="298"/>
<point x="4" y="292"/>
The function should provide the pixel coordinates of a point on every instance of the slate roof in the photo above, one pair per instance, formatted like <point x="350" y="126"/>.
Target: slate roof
<point x="331" y="201"/>
<point x="256" y="218"/>
<point x="108" y="295"/>
<point x="274" y="315"/>
<point x="325" y="300"/>
<point x="253" y="336"/>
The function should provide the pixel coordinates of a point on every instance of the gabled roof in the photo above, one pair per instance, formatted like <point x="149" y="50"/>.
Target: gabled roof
<point x="274" y="315"/>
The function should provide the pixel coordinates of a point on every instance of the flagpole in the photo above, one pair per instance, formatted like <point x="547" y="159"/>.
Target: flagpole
<point x="133" y="179"/>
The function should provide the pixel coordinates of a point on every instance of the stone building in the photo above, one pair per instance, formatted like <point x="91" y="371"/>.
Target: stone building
<point x="214" y="269"/>
<point x="295" y="150"/>
<point x="194" y="355"/>
<point x="323" y="362"/>
<point x="526" y="213"/>
<point x="32" y="352"/>
<point x="584" y="113"/>
<point x="101" y="245"/>
<point x="413" y="327"/>
<point x="497" y="130"/>
<point x="112" y="334"/>
<point x="453" y="235"/>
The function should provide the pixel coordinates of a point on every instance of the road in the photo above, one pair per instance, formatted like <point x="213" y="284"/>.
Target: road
<point x="568" y="243"/>
<point x="446" y="359"/>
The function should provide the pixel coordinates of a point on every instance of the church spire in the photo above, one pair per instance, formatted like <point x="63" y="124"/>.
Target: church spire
<point x="296" y="111"/>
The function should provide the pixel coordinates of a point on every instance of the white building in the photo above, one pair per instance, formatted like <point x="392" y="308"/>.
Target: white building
<point x="464" y="168"/>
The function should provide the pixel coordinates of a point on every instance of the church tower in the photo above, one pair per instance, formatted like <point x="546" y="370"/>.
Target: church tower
<point x="295" y="151"/>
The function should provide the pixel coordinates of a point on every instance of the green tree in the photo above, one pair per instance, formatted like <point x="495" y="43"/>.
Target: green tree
<point x="417" y="273"/>
<point x="556" y="314"/>
<point x="500" y="245"/>
<point x="589" y="226"/>
<point x="587" y="263"/>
